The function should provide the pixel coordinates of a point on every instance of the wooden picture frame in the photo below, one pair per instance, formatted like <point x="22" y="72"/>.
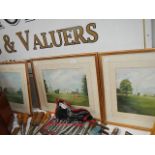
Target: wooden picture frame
<point x="33" y="89"/>
<point x="121" y="102"/>
<point x="68" y="72"/>
<point x="153" y="130"/>
<point x="14" y="81"/>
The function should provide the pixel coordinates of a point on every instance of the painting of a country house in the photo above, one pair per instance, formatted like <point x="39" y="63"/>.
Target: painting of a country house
<point x="67" y="84"/>
<point x="10" y="83"/>
<point x="136" y="90"/>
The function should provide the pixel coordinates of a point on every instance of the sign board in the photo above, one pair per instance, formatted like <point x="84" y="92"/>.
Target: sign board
<point x="29" y="38"/>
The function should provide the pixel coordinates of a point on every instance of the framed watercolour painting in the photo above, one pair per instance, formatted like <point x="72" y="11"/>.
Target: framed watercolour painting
<point x="72" y="78"/>
<point x="129" y="88"/>
<point x="15" y="84"/>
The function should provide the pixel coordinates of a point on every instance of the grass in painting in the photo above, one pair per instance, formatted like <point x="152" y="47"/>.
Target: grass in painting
<point x="79" y="99"/>
<point x="144" y="105"/>
<point x="15" y="98"/>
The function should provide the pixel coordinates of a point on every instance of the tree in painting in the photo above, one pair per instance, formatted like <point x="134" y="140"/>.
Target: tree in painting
<point x="125" y="87"/>
<point x="84" y="86"/>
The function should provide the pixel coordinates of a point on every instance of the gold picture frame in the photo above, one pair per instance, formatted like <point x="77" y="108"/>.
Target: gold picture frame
<point x="14" y="81"/>
<point x="124" y="87"/>
<point x="67" y="77"/>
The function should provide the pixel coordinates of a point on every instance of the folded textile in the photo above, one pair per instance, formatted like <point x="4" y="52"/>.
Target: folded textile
<point x="65" y="111"/>
<point x="71" y="121"/>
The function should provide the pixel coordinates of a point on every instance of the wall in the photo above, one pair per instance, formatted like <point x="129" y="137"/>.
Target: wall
<point x="153" y="32"/>
<point x="113" y="35"/>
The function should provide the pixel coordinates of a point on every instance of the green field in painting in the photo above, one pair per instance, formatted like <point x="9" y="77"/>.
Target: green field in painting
<point x="15" y="98"/>
<point x="144" y="105"/>
<point x="79" y="100"/>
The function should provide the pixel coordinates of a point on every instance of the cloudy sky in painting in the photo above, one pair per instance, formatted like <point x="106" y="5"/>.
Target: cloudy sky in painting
<point x="143" y="79"/>
<point x="10" y="80"/>
<point x="64" y="79"/>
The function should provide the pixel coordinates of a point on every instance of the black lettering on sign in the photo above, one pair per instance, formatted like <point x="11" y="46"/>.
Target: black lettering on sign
<point x="12" y="22"/>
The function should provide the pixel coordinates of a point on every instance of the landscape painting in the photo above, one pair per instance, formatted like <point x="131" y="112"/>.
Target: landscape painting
<point x="136" y="90"/>
<point x="67" y="84"/>
<point x="10" y="83"/>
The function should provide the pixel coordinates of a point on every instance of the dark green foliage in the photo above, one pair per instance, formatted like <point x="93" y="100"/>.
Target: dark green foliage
<point x="57" y="91"/>
<point x="84" y="86"/>
<point x="19" y="92"/>
<point x="15" y="97"/>
<point x="12" y="96"/>
<point x="118" y="91"/>
<point x="126" y="87"/>
<point x="46" y="87"/>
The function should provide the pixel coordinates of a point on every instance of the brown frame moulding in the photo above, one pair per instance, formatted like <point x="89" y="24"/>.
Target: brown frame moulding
<point x="100" y="81"/>
<point x="95" y="54"/>
<point x="25" y="62"/>
<point x="121" y="52"/>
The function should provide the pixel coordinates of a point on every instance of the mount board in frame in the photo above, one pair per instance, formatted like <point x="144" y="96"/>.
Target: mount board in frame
<point x="73" y="78"/>
<point x="14" y="82"/>
<point x="129" y="87"/>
